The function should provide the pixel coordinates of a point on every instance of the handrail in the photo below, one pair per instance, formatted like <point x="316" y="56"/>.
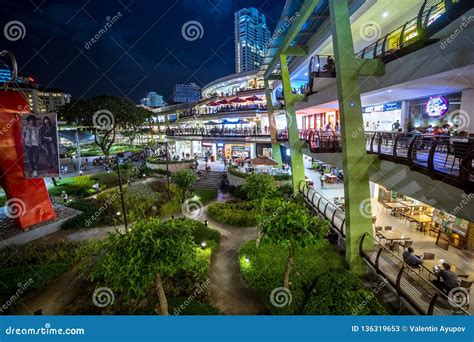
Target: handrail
<point x="407" y="272"/>
<point x="322" y="212"/>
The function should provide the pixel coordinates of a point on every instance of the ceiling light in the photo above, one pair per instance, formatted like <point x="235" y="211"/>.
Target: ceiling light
<point x="385" y="14"/>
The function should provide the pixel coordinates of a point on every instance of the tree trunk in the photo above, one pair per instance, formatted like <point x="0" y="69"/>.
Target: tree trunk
<point x="257" y="240"/>
<point x="161" y="295"/>
<point x="54" y="181"/>
<point x="289" y="264"/>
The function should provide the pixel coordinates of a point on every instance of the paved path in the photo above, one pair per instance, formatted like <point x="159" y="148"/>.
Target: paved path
<point x="229" y="293"/>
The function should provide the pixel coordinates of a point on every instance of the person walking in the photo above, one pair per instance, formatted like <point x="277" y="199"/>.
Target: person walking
<point x="31" y="140"/>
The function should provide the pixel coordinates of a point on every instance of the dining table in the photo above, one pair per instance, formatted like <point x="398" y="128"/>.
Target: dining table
<point x="410" y="204"/>
<point x="394" y="205"/>
<point x="393" y="235"/>
<point x="429" y="265"/>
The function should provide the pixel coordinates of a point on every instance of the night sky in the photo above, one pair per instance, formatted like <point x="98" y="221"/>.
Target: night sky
<point x="143" y="50"/>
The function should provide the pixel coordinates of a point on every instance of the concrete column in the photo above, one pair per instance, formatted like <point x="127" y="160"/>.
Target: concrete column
<point x="466" y="119"/>
<point x="276" y="151"/>
<point x="295" y="145"/>
<point x="253" y="150"/>
<point x="405" y="122"/>
<point x="214" y="150"/>
<point x="355" y="161"/>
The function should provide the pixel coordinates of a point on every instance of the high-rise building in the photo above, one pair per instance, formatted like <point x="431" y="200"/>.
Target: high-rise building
<point x="251" y="38"/>
<point x="152" y="99"/>
<point x="187" y="93"/>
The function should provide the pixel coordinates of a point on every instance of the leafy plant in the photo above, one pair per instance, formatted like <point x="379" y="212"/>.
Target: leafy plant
<point x="292" y="227"/>
<point x="184" y="179"/>
<point x="259" y="186"/>
<point x="241" y="214"/>
<point x="145" y="255"/>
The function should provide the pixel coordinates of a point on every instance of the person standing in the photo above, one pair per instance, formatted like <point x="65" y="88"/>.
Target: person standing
<point x="48" y="138"/>
<point x="31" y="139"/>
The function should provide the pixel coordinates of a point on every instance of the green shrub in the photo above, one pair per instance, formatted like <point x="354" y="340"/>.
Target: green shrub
<point x="233" y="170"/>
<point x="205" y="195"/>
<point x="95" y="213"/>
<point x="340" y="292"/>
<point x="3" y="200"/>
<point x="259" y="186"/>
<point x="241" y="214"/>
<point x="266" y="266"/>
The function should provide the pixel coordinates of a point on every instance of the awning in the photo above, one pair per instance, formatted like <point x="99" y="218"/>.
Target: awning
<point x="263" y="161"/>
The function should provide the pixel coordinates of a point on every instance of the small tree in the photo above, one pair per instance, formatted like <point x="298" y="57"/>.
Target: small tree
<point x="259" y="186"/>
<point x="142" y="257"/>
<point x="293" y="226"/>
<point x="184" y="179"/>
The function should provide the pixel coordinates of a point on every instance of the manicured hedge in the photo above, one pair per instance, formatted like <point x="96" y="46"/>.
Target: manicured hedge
<point x="233" y="170"/>
<point x="241" y="214"/>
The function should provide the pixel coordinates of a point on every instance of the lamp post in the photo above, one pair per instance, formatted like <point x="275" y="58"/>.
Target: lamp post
<point x="167" y="168"/>
<point x="119" y="173"/>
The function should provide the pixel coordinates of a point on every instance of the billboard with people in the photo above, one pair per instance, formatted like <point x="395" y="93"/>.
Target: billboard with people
<point x="40" y="145"/>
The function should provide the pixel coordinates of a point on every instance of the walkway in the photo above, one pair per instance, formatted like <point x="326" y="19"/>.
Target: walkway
<point x="229" y="293"/>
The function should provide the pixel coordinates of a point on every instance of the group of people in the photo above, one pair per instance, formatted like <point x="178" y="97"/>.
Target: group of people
<point x="40" y="140"/>
<point x="446" y="280"/>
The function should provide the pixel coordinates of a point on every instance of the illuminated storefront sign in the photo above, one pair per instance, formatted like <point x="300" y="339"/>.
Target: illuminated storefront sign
<point x="436" y="106"/>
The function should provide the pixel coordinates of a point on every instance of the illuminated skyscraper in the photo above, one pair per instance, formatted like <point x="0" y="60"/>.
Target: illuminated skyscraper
<point x="251" y="38"/>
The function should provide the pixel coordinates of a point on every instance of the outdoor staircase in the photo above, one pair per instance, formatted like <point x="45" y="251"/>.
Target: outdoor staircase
<point x="209" y="180"/>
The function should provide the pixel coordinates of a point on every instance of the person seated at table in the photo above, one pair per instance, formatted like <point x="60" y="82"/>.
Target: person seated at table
<point x="446" y="279"/>
<point x="411" y="259"/>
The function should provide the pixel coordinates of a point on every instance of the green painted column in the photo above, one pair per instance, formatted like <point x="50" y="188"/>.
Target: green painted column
<point x="276" y="151"/>
<point x="297" y="167"/>
<point x="356" y="164"/>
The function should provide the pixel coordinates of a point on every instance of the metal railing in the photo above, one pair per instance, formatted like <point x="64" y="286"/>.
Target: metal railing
<point x="408" y="282"/>
<point x="441" y="157"/>
<point x="325" y="209"/>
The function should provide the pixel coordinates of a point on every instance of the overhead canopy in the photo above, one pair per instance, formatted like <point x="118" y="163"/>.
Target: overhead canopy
<point x="263" y="161"/>
<point x="253" y="98"/>
<point x="221" y="102"/>
<point x="237" y="100"/>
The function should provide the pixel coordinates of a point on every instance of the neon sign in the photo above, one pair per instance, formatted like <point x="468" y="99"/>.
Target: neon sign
<point x="436" y="106"/>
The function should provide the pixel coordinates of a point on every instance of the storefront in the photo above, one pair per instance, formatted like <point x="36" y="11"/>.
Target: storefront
<point x="264" y="150"/>
<point x="235" y="151"/>
<point x="320" y="120"/>
<point x="382" y="117"/>
<point x="435" y="110"/>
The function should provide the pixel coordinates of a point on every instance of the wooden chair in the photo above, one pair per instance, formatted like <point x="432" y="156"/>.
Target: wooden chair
<point x="405" y="244"/>
<point x="377" y="234"/>
<point x="393" y="246"/>
<point x="428" y="256"/>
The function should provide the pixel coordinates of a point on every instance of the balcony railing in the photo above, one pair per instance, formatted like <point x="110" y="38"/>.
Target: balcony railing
<point x="226" y="132"/>
<point x="448" y="159"/>
<point x="430" y="20"/>
<point x="408" y="282"/>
